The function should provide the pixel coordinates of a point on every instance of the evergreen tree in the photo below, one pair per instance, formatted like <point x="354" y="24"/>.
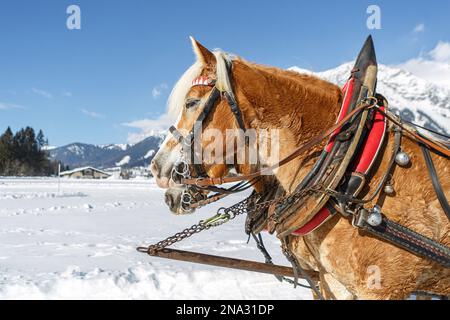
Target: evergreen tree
<point x="22" y="154"/>
<point x="42" y="142"/>
<point x="6" y="151"/>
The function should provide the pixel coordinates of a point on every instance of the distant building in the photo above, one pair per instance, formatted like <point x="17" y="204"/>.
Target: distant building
<point x="125" y="174"/>
<point x="86" y="173"/>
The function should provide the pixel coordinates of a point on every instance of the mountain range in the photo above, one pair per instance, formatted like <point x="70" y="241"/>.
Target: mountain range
<point x="416" y="99"/>
<point x="107" y="156"/>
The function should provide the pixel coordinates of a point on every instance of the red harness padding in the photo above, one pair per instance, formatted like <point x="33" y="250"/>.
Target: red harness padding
<point x="320" y="217"/>
<point x="324" y="214"/>
<point x="347" y="90"/>
<point x="372" y="144"/>
<point x="364" y="161"/>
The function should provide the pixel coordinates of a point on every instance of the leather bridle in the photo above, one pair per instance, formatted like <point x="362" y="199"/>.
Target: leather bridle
<point x="215" y="95"/>
<point x="188" y="169"/>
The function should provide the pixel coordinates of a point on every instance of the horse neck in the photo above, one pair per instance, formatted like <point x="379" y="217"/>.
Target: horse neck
<point x="299" y="106"/>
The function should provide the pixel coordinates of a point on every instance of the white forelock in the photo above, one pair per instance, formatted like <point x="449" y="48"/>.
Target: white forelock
<point x="177" y="97"/>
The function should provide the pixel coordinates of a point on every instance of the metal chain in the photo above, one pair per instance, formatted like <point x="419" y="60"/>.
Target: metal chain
<point x="218" y="219"/>
<point x="177" y="237"/>
<point x="247" y="205"/>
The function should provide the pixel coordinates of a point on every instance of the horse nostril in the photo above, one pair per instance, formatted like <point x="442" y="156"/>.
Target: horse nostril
<point x="169" y="200"/>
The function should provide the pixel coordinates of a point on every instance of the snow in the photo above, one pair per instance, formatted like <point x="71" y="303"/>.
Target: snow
<point x="124" y="161"/>
<point x="115" y="146"/>
<point x="149" y="154"/>
<point x="79" y="243"/>
<point x="48" y="148"/>
<point x="76" y="149"/>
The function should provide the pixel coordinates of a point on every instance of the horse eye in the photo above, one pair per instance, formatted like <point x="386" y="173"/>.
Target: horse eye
<point x="191" y="103"/>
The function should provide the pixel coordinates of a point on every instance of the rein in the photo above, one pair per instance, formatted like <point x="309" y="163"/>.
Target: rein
<point x="428" y="142"/>
<point x="205" y="182"/>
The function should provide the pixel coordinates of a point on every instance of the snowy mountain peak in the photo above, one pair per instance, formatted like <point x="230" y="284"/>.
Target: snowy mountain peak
<point x="115" y="146"/>
<point x="105" y="156"/>
<point x="77" y="149"/>
<point x="416" y="99"/>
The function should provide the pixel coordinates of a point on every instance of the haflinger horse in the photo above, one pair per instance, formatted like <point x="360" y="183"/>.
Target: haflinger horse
<point x="351" y="263"/>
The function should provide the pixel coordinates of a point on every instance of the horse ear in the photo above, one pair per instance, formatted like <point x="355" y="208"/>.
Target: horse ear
<point x="203" y="55"/>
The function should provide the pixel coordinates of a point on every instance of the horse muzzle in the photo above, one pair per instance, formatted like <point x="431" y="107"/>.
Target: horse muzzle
<point x="161" y="181"/>
<point x="180" y="201"/>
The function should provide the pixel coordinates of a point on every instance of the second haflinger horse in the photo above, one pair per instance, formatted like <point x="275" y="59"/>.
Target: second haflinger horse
<point x="369" y="172"/>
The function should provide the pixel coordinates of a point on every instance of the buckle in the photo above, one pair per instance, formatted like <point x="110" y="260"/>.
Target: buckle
<point x="360" y="218"/>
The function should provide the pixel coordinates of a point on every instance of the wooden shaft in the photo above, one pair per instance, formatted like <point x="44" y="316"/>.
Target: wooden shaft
<point x="226" y="262"/>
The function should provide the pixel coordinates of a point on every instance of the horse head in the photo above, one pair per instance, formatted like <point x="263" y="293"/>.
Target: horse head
<point x="220" y="94"/>
<point x="204" y="117"/>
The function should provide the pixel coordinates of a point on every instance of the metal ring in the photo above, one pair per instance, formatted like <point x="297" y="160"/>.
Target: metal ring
<point x="172" y="174"/>
<point x="185" y="170"/>
<point x="174" y="177"/>
<point x="373" y="101"/>
<point x="189" y="197"/>
<point x="186" y="208"/>
<point x="221" y="208"/>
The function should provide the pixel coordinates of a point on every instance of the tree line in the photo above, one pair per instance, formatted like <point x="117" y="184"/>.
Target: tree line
<point x="23" y="154"/>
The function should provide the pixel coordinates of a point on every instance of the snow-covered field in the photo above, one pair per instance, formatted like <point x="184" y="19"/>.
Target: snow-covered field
<point x="79" y="243"/>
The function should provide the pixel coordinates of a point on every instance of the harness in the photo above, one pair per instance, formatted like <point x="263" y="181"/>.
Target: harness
<point x="335" y="182"/>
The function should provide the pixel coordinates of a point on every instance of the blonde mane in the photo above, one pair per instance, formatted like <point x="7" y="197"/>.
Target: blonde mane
<point x="223" y="79"/>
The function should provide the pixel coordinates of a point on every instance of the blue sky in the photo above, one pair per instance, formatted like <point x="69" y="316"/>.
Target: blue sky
<point x="83" y="85"/>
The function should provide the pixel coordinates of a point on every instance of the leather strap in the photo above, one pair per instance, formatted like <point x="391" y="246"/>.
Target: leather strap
<point x="177" y="135"/>
<point x="435" y="181"/>
<point x="213" y="97"/>
<point x="203" y="182"/>
<point x="411" y="241"/>
<point x="430" y="143"/>
<point x="235" y="109"/>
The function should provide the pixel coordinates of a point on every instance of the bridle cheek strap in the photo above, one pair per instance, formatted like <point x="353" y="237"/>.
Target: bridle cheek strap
<point x="207" y="109"/>
<point x="235" y="109"/>
<point x="177" y="135"/>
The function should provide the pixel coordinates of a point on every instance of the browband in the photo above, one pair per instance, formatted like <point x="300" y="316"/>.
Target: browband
<point x="203" y="81"/>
